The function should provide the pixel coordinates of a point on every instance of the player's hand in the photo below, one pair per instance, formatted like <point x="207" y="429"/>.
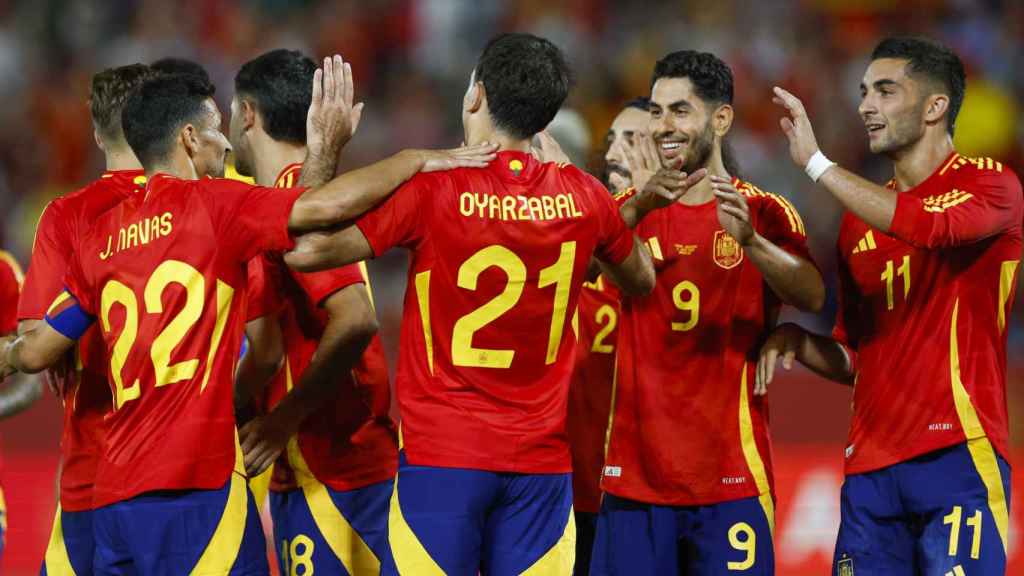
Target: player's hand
<point x="643" y="159"/>
<point x="549" y="150"/>
<point x="783" y="342"/>
<point x="5" y="368"/>
<point x="733" y="212"/>
<point x="262" y="440"/>
<point x="477" y="156"/>
<point x="667" y="186"/>
<point x="332" y="118"/>
<point x="797" y="127"/>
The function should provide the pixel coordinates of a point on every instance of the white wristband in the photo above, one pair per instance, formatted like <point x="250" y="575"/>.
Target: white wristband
<point x="817" y="165"/>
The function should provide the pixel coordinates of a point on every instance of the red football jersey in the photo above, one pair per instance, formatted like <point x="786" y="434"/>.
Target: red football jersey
<point x="351" y="442"/>
<point x="10" y="286"/>
<point x="82" y="378"/>
<point x="686" y="428"/>
<point x="164" y="273"/>
<point x="499" y="257"/>
<point x="590" y="393"/>
<point x="940" y="286"/>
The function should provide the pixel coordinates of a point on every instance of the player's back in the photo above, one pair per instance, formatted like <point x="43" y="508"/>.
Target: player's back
<point x="498" y="259"/>
<point x="82" y="379"/>
<point x="163" y="273"/>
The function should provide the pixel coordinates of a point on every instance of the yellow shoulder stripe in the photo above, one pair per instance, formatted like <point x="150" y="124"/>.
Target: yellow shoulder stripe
<point x="6" y="257"/>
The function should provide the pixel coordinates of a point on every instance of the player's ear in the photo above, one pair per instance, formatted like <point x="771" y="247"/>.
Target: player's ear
<point x="722" y="120"/>
<point x="189" y="136"/>
<point x="935" y="108"/>
<point x="99" y="141"/>
<point x="475" y="97"/>
<point x="248" y="115"/>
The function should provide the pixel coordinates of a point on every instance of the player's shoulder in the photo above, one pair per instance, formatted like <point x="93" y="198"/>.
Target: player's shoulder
<point x="573" y="173"/>
<point x="9" y="268"/>
<point x="969" y="169"/>
<point x="770" y="201"/>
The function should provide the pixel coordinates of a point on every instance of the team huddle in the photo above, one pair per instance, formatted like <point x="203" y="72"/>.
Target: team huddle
<point x="584" y="366"/>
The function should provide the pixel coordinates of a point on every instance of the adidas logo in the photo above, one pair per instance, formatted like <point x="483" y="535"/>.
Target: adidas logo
<point x="866" y="243"/>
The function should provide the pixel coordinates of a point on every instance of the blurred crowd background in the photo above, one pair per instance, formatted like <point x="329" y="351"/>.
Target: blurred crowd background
<point x="412" y="60"/>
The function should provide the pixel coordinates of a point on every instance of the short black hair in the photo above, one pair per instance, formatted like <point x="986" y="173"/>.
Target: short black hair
<point x="158" y="109"/>
<point x="172" y="65"/>
<point x="640" y="103"/>
<point x="281" y="83"/>
<point x="935" y="62"/>
<point x="526" y="79"/>
<point x="110" y="89"/>
<point x="711" y="77"/>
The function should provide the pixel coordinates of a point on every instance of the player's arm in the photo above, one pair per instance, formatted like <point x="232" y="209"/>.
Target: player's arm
<point x="350" y="327"/>
<point x="980" y="213"/>
<point x="259" y="365"/>
<point x="792" y="278"/>
<point x="19" y="392"/>
<point x="823" y="355"/>
<point x="34" y="351"/>
<point x="634" y="275"/>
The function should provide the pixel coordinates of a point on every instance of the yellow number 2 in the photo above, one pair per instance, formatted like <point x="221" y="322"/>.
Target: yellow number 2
<point x="559" y="274"/>
<point x="748" y="544"/>
<point x="607" y="313"/>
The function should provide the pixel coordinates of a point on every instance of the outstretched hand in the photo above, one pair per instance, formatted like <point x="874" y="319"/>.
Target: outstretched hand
<point x="668" y="185"/>
<point x="797" y="127"/>
<point x="733" y="212"/>
<point x="643" y="159"/>
<point x="332" y="119"/>
<point x="549" y="150"/>
<point x="476" y="156"/>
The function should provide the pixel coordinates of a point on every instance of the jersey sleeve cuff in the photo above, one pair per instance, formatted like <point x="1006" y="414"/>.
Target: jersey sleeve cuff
<point x="371" y="239"/>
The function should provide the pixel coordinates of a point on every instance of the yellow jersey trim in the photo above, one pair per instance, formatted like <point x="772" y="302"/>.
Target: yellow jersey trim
<point x="423" y="298"/>
<point x="1007" y="273"/>
<point x="751" y="454"/>
<point x="19" y="276"/>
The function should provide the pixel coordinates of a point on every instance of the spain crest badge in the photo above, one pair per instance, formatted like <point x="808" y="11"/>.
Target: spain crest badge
<point x="727" y="251"/>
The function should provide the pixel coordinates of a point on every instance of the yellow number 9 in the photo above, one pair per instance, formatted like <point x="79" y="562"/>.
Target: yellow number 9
<point x="748" y="544"/>
<point x="690" y="304"/>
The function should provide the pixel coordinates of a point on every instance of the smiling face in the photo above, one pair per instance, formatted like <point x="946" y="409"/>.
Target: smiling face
<point x="892" y="106"/>
<point x="680" y="124"/>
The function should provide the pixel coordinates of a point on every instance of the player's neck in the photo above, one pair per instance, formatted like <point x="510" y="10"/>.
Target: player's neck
<point x="504" y="141"/>
<point x="178" y="165"/>
<point x="916" y="163"/>
<point x="121" y="159"/>
<point x="702" y="192"/>
<point x="272" y="157"/>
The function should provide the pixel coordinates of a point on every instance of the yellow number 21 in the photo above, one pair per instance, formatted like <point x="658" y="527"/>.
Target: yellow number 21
<point x="558" y="274"/>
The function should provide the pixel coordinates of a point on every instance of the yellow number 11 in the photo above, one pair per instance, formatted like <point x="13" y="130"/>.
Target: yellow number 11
<point x="888" y="277"/>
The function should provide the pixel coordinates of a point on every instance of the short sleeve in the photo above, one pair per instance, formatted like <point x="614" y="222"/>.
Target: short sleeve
<point x="398" y="220"/>
<point x="614" y="238"/>
<point x="10" y="285"/>
<point x="319" y="285"/>
<point x="973" y="207"/>
<point x="250" y="219"/>
<point x="263" y="290"/>
<point x="49" y="263"/>
<point x="78" y="285"/>
<point x="780" y="223"/>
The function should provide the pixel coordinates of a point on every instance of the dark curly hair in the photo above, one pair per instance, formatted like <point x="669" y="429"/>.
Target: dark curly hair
<point x="281" y="84"/>
<point x="935" y="63"/>
<point x="158" y="109"/>
<point x="526" y="80"/>
<point x="711" y="78"/>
